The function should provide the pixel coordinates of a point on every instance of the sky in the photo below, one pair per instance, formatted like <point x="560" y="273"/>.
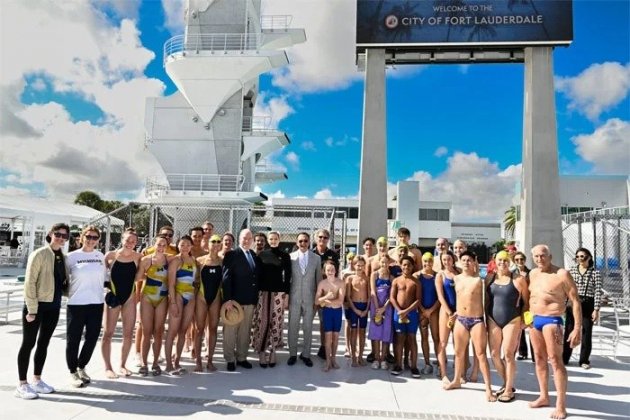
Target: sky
<point x="74" y="75"/>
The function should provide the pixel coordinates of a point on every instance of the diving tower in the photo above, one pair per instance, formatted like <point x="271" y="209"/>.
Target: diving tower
<point x="205" y="136"/>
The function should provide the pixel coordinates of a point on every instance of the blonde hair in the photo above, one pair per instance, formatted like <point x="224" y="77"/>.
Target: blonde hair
<point x="427" y="256"/>
<point x="503" y="255"/>
<point x="90" y="228"/>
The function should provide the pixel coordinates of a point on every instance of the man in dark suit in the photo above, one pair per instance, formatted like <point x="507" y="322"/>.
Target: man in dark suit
<point x="240" y="284"/>
<point x="306" y="272"/>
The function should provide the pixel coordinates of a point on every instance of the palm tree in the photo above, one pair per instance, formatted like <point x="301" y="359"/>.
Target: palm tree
<point x="509" y="220"/>
<point x="90" y="199"/>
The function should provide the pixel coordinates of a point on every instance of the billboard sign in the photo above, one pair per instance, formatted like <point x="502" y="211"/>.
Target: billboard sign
<point x="477" y="23"/>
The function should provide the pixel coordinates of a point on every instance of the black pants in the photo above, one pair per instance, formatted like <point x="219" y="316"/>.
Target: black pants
<point x="44" y="325"/>
<point x="588" y="305"/>
<point x="80" y="318"/>
<point x="522" y="346"/>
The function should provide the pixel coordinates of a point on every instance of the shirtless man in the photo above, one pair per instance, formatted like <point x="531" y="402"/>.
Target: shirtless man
<point x="357" y="294"/>
<point x="405" y="298"/>
<point x="441" y="246"/>
<point x="470" y="290"/>
<point x="330" y="295"/>
<point x="549" y="288"/>
<point x="404" y="236"/>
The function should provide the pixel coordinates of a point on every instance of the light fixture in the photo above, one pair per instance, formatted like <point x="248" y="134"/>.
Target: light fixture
<point x="195" y="119"/>
<point x="221" y="112"/>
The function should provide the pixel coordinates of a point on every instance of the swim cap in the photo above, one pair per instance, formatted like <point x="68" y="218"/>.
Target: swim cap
<point x="502" y="255"/>
<point x="427" y="256"/>
<point x="382" y="240"/>
<point x="215" y="237"/>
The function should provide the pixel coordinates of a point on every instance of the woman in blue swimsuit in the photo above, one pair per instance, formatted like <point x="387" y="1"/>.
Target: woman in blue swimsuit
<point x="429" y="311"/>
<point x="445" y="287"/>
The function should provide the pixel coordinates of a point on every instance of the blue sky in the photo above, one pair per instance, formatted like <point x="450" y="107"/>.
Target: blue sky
<point x="456" y="129"/>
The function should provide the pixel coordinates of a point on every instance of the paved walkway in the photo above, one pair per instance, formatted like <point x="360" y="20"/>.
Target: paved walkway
<point x="297" y="391"/>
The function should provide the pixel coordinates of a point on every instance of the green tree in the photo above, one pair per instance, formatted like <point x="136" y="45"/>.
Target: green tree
<point x="90" y="199"/>
<point x="509" y="220"/>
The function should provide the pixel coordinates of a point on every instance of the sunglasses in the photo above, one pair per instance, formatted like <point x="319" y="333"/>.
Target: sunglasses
<point x="581" y="257"/>
<point x="60" y="235"/>
<point x="91" y="237"/>
<point x="215" y="242"/>
<point x="303" y="242"/>
<point x="323" y="237"/>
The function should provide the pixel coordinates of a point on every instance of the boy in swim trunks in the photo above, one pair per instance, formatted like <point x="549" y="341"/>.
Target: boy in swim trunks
<point x="330" y="295"/>
<point x="357" y="293"/>
<point x="405" y="298"/>
<point x="470" y="289"/>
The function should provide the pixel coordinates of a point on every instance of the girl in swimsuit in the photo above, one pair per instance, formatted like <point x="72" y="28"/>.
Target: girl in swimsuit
<point x="153" y="273"/>
<point x="445" y="287"/>
<point x="122" y="264"/>
<point x="182" y="271"/>
<point x="208" y="301"/>
<point x="507" y="298"/>
<point x="429" y="310"/>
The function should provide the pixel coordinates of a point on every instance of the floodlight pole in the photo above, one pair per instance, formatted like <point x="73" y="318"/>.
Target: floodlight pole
<point x="540" y="185"/>
<point x="373" y="183"/>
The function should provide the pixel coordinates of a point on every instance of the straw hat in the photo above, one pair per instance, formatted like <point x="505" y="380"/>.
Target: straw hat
<point x="234" y="316"/>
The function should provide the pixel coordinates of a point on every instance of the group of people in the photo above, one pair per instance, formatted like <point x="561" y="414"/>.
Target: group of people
<point x="391" y="293"/>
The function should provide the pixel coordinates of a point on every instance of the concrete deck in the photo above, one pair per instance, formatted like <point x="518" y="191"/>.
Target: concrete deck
<point x="297" y="391"/>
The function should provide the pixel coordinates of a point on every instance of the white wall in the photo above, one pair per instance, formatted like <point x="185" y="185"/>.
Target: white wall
<point x="487" y="233"/>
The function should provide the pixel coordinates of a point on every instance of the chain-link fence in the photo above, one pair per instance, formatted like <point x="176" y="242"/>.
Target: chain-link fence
<point x="606" y="233"/>
<point x="289" y="221"/>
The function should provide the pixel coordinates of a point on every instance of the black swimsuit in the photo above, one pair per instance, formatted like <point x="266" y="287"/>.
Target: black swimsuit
<point x="504" y="302"/>
<point x="123" y="276"/>
<point x="211" y="277"/>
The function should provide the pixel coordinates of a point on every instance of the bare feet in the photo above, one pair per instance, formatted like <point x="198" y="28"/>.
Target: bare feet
<point x="540" y="402"/>
<point x="452" y="385"/>
<point x="110" y="374"/>
<point x="445" y="380"/>
<point x="558" y="414"/>
<point x="362" y="361"/>
<point x="210" y="367"/>
<point x="462" y="381"/>
<point x="354" y="363"/>
<point x="198" y="367"/>
<point x="123" y="371"/>
<point x="334" y="364"/>
<point x="490" y="397"/>
<point x="326" y="367"/>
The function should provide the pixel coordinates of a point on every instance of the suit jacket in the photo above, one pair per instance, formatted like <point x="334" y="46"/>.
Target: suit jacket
<point x="304" y="286"/>
<point x="240" y="281"/>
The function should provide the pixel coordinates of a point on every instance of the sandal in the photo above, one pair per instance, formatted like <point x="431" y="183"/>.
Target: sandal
<point x="504" y="398"/>
<point x="502" y="390"/>
<point x="156" y="370"/>
<point x="143" y="371"/>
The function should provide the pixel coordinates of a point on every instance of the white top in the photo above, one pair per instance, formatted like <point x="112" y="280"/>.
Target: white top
<point x="87" y="276"/>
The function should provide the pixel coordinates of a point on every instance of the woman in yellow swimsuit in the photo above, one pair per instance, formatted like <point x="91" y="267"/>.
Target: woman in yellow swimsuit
<point x="182" y="272"/>
<point x="153" y="272"/>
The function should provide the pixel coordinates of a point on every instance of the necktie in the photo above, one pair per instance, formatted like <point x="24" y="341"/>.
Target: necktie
<point x="250" y="260"/>
<point x="303" y="263"/>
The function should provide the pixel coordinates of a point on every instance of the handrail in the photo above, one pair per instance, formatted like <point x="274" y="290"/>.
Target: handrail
<point x="194" y="43"/>
<point x="275" y="22"/>
<point x="195" y="182"/>
<point x="257" y="123"/>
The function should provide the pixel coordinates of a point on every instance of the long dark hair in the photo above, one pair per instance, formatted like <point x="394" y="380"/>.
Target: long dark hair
<point x="591" y="263"/>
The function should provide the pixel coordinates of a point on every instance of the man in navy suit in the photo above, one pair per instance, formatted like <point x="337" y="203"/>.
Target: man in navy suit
<point x="240" y="284"/>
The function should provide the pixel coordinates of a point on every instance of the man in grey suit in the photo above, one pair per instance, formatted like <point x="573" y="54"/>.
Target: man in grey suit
<point x="306" y="272"/>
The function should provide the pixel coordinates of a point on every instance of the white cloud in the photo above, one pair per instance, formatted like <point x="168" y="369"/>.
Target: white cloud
<point x="293" y="159"/>
<point x="440" y="151"/>
<point x="80" y="51"/>
<point x="277" y="194"/>
<point x="174" y="15"/>
<point x="597" y="89"/>
<point x="346" y="139"/>
<point x="323" y="194"/>
<point x="326" y="61"/>
<point x="607" y="148"/>
<point x="275" y="107"/>
<point x="329" y="141"/>
<point x="478" y="189"/>
<point x="309" y="145"/>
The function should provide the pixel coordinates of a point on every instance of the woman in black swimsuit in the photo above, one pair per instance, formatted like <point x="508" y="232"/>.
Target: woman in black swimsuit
<point x="507" y="298"/>
<point x="122" y="264"/>
<point x="208" y="301"/>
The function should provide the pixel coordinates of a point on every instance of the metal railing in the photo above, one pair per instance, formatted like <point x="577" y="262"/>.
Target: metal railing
<point x="194" y="43"/>
<point x="195" y="182"/>
<point x="275" y="22"/>
<point x="257" y="123"/>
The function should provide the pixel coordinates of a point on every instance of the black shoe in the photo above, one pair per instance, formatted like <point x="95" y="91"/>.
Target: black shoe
<point x="231" y="366"/>
<point x="272" y="365"/>
<point x="415" y="373"/>
<point x="292" y="360"/>
<point x="370" y="358"/>
<point x="520" y="357"/>
<point x="321" y="353"/>
<point x="263" y="365"/>
<point x="307" y="361"/>
<point x="397" y="370"/>
<point x="389" y="358"/>
<point x="244" y="364"/>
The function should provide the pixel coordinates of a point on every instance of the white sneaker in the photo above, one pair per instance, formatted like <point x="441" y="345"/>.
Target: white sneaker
<point x="42" y="387"/>
<point x="25" y="392"/>
<point x="376" y="365"/>
<point x="385" y="365"/>
<point x="75" y="380"/>
<point x="84" y="376"/>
